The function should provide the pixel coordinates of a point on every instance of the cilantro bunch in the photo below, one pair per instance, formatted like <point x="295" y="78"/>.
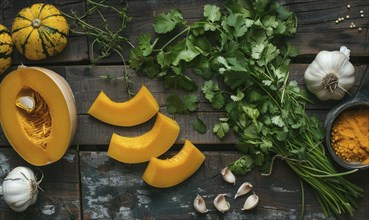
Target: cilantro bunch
<point x="241" y="53"/>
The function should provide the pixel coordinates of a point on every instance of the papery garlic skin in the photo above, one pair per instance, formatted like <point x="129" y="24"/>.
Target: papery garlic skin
<point x="330" y="75"/>
<point x="20" y="188"/>
<point x="221" y="204"/>
<point x="200" y="205"/>
<point x="228" y="176"/>
<point x="245" y="188"/>
<point x="251" y="202"/>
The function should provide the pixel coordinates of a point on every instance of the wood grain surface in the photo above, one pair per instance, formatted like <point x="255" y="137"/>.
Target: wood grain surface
<point x="87" y="184"/>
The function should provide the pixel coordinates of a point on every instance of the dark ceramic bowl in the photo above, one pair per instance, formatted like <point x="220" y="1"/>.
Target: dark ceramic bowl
<point x="360" y="100"/>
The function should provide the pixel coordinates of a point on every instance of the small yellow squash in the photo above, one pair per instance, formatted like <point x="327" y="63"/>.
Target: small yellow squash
<point x="40" y="31"/>
<point x="151" y="144"/>
<point x="6" y="49"/>
<point x="38" y="114"/>
<point x="170" y="172"/>
<point x="137" y="110"/>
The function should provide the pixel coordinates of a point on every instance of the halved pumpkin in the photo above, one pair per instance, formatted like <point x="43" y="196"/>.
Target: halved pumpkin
<point x="170" y="172"/>
<point x="137" y="110"/>
<point x="151" y="144"/>
<point x="38" y="114"/>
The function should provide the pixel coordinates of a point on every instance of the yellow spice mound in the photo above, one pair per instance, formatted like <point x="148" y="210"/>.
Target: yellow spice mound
<point x="350" y="135"/>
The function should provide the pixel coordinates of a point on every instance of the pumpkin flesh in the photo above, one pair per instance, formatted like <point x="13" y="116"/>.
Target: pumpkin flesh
<point x="164" y="173"/>
<point x="43" y="135"/>
<point x="40" y="31"/>
<point x="137" y="110"/>
<point x="151" y="144"/>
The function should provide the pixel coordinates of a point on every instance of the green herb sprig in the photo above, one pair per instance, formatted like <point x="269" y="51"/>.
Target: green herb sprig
<point x="105" y="40"/>
<point x="241" y="53"/>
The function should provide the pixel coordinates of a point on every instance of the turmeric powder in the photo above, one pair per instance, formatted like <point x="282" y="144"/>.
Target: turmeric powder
<point x="350" y="136"/>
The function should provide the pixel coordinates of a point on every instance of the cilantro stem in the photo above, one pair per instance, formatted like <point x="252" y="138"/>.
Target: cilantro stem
<point x="302" y="199"/>
<point x="105" y="39"/>
<point x="245" y="51"/>
<point x="174" y="38"/>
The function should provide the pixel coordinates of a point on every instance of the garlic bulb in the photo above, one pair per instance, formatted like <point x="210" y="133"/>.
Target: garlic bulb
<point x="20" y="188"/>
<point x="200" y="205"/>
<point x="331" y="74"/>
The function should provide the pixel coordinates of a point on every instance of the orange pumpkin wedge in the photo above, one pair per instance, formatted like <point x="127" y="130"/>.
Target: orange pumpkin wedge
<point x="38" y="114"/>
<point x="153" y="143"/>
<point x="170" y="172"/>
<point x="137" y="110"/>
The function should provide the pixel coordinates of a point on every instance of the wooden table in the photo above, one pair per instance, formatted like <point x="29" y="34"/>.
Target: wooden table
<point x="87" y="184"/>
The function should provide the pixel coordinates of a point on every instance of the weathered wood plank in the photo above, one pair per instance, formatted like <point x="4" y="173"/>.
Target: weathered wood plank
<point x="86" y="82"/>
<point x="111" y="189"/>
<point x="60" y="198"/>
<point x="317" y="29"/>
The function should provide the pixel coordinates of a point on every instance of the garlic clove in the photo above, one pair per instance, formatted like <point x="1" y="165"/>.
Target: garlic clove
<point x="221" y="204"/>
<point x="251" y="202"/>
<point x="199" y="204"/>
<point x="26" y="103"/>
<point x="346" y="51"/>
<point x="243" y="189"/>
<point x="228" y="176"/>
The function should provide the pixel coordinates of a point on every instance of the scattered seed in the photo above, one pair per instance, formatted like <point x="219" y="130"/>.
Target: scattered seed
<point x="362" y="15"/>
<point x="361" y="12"/>
<point x="359" y="29"/>
<point x="347" y="16"/>
<point x="348" y="6"/>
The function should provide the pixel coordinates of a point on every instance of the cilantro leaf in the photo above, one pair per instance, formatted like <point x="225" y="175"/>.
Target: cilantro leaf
<point x="221" y="128"/>
<point x="218" y="101"/>
<point x="240" y="95"/>
<point x="175" y="104"/>
<point x="213" y="94"/>
<point x="136" y="58"/>
<point x="239" y="24"/>
<point x="190" y="102"/>
<point x="199" y="126"/>
<point x="203" y="68"/>
<point x="212" y="13"/>
<point x="179" y="81"/>
<point x="144" y="43"/>
<point x="186" y="52"/>
<point x="243" y="165"/>
<point x="277" y="120"/>
<point x="166" y="22"/>
<point x="257" y="51"/>
<point x="208" y="89"/>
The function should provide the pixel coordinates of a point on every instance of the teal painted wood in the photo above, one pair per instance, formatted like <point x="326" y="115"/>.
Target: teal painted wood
<point x="59" y="198"/>
<point x="114" y="190"/>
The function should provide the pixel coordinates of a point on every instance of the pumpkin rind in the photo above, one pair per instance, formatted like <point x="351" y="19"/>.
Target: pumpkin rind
<point x="137" y="110"/>
<point x="40" y="31"/>
<point x="59" y="121"/>
<point x="6" y="49"/>
<point x="164" y="173"/>
<point x="150" y="144"/>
